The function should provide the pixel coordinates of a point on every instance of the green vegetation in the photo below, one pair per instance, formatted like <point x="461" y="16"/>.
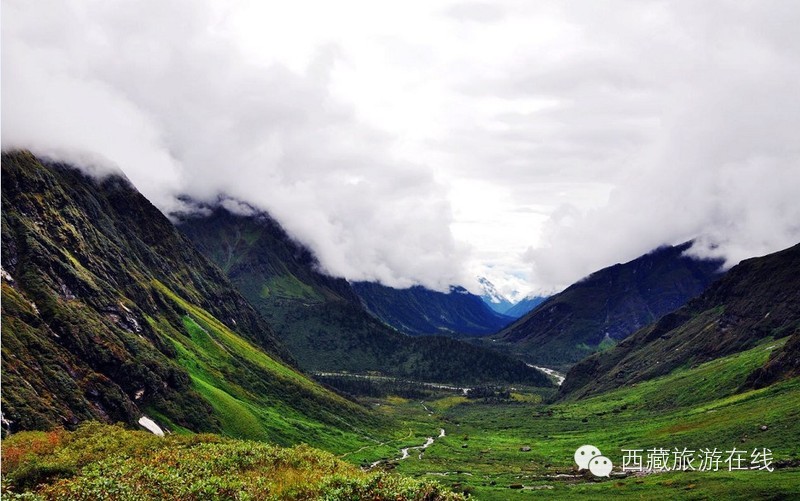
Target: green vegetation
<point x="109" y="314"/>
<point x="322" y="320"/>
<point x="253" y="395"/>
<point x="694" y="408"/>
<point x="108" y="462"/>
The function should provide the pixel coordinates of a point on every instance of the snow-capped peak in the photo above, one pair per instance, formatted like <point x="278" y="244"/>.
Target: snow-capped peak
<point x="490" y="292"/>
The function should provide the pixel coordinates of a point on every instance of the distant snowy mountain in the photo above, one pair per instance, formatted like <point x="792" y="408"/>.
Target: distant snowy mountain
<point x="493" y="298"/>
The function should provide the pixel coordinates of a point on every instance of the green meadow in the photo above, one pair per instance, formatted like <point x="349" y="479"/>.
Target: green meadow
<point x="695" y="408"/>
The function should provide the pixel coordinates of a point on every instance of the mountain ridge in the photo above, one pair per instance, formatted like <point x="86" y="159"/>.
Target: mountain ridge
<point x="110" y="314"/>
<point x="757" y="299"/>
<point x="420" y="311"/>
<point x="322" y="319"/>
<point x="607" y="305"/>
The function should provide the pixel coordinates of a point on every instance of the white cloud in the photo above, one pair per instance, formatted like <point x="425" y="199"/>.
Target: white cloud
<point x="429" y="141"/>
<point x="150" y="87"/>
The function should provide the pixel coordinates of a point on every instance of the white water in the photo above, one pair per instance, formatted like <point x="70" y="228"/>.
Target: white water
<point x="424" y="446"/>
<point x="439" y="386"/>
<point x="151" y="426"/>
<point x="550" y="372"/>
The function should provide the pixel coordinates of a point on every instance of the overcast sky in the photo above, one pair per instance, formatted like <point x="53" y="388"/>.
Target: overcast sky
<point x="433" y="141"/>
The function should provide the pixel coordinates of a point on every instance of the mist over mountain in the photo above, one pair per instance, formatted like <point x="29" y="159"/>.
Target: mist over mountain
<point x="408" y="170"/>
<point x="110" y="314"/>
<point x="321" y="319"/>
<point x="416" y="250"/>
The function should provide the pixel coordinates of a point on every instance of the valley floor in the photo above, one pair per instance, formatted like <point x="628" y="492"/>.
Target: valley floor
<point x="485" y="449"/>
<point x="513" y="445"/>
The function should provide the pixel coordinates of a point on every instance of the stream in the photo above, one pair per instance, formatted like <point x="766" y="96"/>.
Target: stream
<point x="405" y="454"/>
<point x="559" y="377"/>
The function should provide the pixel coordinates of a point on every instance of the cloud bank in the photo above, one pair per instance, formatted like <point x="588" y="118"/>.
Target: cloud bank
<point x="150" y="87"/>
<point x="430" y="141"/>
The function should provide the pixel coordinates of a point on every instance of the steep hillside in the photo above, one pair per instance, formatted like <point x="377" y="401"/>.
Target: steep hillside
<point x="108" y="313"/>
<point x="321" y="319"/>
<point x="525" y="306"/>
<point x="418" y="310"/>
<point x="608" y="305"/>
<point x="756" y="300"/>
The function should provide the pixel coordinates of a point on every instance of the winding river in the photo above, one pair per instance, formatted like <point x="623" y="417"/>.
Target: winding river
<point x="405" y="451"/>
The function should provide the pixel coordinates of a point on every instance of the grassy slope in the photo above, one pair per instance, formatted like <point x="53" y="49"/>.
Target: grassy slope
<point x="109" y="313"/>
<point x="108" y="462"/>
<point x="255" y="396"/>
<point x="693" y="408"/>
<point x="321" y="319"/>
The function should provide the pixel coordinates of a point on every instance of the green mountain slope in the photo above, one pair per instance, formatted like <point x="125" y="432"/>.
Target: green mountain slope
<point x="109" y="313"/>
<point x="756" y="300"/>
<point x="321" y="319"/>
<point x="418" y="310"/>
<point x="607" y="306"/>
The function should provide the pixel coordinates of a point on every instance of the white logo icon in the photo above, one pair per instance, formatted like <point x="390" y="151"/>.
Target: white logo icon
<point x="600" y="466"/>
<point x="589" y="456"/>
<point x="584" y="454"/>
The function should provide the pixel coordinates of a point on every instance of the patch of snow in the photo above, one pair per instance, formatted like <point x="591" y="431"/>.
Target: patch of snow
<point x="6" y="423"/>
<point x="6" y="275"/>
<point x="151" y="426"/>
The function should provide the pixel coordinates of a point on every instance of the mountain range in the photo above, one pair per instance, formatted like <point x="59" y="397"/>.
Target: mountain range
<point x="322" y="320"/>
<point x="502" y="305"/>
<point x="608" y="305"/>
<point x="756" y="300"/>
<point x="493" y="298"/>
<point x="525" y="306"/>
<point x="417" y="310"/>
<point x="213" y="322"/>
<point x="110" y="314"/>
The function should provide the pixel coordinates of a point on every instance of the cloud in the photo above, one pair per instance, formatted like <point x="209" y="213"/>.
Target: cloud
<point x="152" y="88"/>
<point x="430" y="141"/>
<point x="720" y="163"/>
<point x="480" y="12"/>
